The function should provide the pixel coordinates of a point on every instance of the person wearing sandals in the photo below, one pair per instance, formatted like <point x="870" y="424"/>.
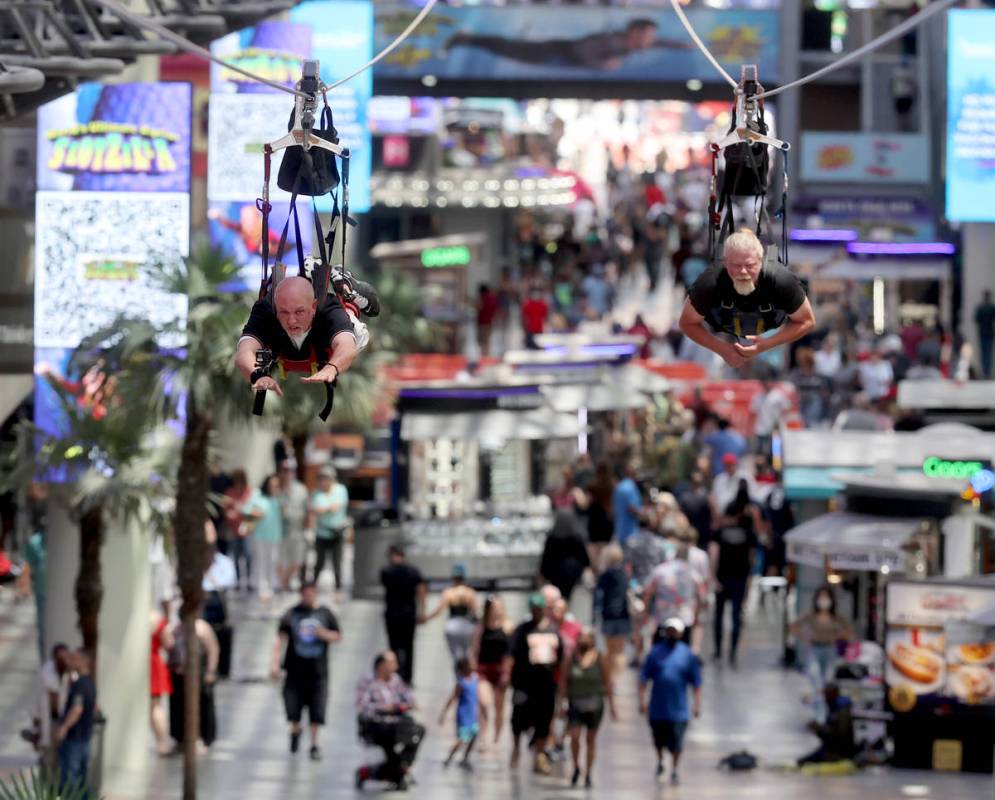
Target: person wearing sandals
<point x="585" y="684"/>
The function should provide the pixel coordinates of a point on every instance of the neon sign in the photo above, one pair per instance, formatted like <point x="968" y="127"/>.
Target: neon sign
<point x="283" y="68"/>
<point x="981" y="477"/>
<point x="458" y="256"/>
<point x="112" y="148"/>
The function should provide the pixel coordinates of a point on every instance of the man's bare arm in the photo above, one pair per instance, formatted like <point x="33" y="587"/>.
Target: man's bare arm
<point x="692" y="325"/>
<point x="344" y="352"/>
<point x="245" y="356"/>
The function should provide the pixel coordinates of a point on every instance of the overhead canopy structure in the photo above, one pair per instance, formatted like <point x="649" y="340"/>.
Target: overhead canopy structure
<point x="491" y="426"/>
<point x="845" y="541"/>
<point x="593" y="397"/>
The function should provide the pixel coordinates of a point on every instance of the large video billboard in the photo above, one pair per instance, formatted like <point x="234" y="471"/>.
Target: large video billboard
<point x="538" y="42"/>
<point x="113" y="203"/>
<point x="970" y="115"/>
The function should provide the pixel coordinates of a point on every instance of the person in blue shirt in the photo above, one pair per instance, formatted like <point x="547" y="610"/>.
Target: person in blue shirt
<point x="671" y="667"/>
<point x="724" y="441"/>
<point x="466" y="697"/>
<point x="627" y="504"/>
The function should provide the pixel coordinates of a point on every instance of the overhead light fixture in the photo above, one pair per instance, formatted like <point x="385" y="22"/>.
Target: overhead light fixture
<point x="823" y="235"/>
<point x="694" y="85"/>
<point x="429" y="81"/>
<point x="902" y="248"/>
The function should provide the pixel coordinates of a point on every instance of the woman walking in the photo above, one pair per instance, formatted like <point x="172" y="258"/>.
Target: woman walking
<point x="264" y="509"/>
<point x="461" y="600"/>
<point x="821" y="631"/>
<point x="612" y="608"/>
<point x="585" y="684"/>
<point x="159" y="682"/>
<point x="599" y="513"/>
<point x="564" y="557"/>
<point x="493" y="646"/>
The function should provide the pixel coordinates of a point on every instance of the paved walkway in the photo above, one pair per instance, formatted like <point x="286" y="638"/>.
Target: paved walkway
<point x="755" y="707"/>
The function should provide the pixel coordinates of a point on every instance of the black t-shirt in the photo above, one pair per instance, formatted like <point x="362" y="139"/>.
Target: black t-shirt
<point x="306" y="655"/>
<point x="537" y="650"/>
<point x="329" y="320"/>
<point x="778" y="294"/>
<point x="736" y="544"/>
<point x="83" y="692"/>
<point x="401" y="582"/>
<point x="694" y="504"/>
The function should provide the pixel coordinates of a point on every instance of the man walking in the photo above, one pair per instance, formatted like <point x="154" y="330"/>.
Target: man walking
<point x="404" y="604"/>
<point x="74" y="732"/>
<point x="330" y="505"/>
<point x="671" y="667"/>
<point x="536" y="651"/>
<point x="984" y="318"/>
<point x="303" y="637"/>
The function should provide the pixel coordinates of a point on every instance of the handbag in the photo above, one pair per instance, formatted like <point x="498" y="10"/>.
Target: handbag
<point x="312" y="172"/>
<point x="634" y="602"/>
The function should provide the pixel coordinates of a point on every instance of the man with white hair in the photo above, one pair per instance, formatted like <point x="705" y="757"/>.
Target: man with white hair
<point x="729" y="309"/>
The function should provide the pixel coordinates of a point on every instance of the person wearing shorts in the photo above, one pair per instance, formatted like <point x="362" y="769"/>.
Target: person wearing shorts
<point x="586" y="683"/>
<point x="466" y="697"/>
<point x="671" y="668"/>
<point x="304" y="634"/>
<point x="536" y="651"/>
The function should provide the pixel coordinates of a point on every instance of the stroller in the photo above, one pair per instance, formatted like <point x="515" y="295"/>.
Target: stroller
<point x="399" y="736"/>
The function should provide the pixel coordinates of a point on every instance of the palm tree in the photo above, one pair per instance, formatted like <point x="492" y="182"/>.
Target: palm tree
<point x="114" y="471"/>
<point x="196" y="384"/>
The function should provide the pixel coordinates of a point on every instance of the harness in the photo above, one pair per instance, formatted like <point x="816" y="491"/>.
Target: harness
<point x="747" y="174"/>
<point x="314" y="151"/>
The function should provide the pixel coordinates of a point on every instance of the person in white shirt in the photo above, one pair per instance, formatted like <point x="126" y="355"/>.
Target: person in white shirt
<point x="827" y="358"/>
<point x="293" y="498"/>
<point x="726" y="484"/>
<point x="769" y="406"/>
<point x="54" y="678"/>
<point x="876" y="376"/>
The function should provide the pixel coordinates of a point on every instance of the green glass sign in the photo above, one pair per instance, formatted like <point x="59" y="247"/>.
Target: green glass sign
<point x="941" y="468"/>
<point x="456" y="256"/>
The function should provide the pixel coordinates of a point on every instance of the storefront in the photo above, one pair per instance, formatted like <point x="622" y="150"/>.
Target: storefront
<point x="940" y="673"/>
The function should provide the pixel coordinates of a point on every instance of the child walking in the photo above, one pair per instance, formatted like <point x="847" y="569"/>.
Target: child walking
<point x="468" y="709"/>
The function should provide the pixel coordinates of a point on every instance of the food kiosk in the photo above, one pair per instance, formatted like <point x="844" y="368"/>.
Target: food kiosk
<point x="940" y="672"/>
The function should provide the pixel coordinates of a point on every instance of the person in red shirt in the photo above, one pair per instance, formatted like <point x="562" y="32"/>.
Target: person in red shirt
<point x="487" y="309"/>
<point x="535" y="312"/>
<point x="640" y="328"/>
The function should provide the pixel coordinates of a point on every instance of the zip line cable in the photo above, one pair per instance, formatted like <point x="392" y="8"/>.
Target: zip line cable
<point x="141" y="21"/>
<point x="899" y="30"/>
<point x="701" y="45"/>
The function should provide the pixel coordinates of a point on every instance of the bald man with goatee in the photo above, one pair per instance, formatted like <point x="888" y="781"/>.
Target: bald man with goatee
<point x="303" y="336"/>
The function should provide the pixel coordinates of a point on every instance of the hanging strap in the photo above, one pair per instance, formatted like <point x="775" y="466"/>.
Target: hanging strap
<point x="292" y="213"/>
<point x="782" y="212"/>
<point x="263" y="204"/>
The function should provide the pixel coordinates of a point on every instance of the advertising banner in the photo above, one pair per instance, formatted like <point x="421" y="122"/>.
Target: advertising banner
<point x="937" y="643"/>
<point x="865" y="158"/>
<point x="128" y="137"/>
<point x="970" y="115"/>
<point x="538" y="42"/>
<point x="244" y="114"/>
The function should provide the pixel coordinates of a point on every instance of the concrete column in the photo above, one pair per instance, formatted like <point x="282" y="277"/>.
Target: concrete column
<point x="249" y="447"/>
<point x="123" y="654"/>
<point x="977" y="275"/>
<point x="62" y="550"/>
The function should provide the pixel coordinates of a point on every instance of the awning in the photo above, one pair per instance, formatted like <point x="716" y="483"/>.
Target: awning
<point x="593" y="397"/>
<point x="847" y="541"/>
<point x="491" y="426"/>
<point x="917" y="269"/>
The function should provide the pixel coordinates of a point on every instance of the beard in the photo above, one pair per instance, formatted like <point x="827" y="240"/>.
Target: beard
<point x="744" y="287"/>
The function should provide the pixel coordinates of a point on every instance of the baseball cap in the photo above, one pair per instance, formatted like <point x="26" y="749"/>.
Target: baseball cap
<point x="675" y="623"/>
<point x="536" y="600"/>
<point x="459" y="570"/>
<point x="730" y="458"/>
<point x="326" y="472"/>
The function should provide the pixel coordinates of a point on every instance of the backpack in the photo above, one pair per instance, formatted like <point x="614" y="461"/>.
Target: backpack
<point x="747" y="165"/>
<point x="314" y="172"/>
<point x="737" y="762"/>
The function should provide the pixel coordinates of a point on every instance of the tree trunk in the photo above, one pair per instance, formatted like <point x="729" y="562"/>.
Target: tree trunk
<point x="300" y="447"/>
<point x="192" y="562"/>
<point x="89" y="583"/>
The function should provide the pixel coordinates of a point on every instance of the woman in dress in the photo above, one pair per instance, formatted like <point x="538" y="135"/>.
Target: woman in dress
<point x="492" y="646"/>
<point x="159" y="682"/>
